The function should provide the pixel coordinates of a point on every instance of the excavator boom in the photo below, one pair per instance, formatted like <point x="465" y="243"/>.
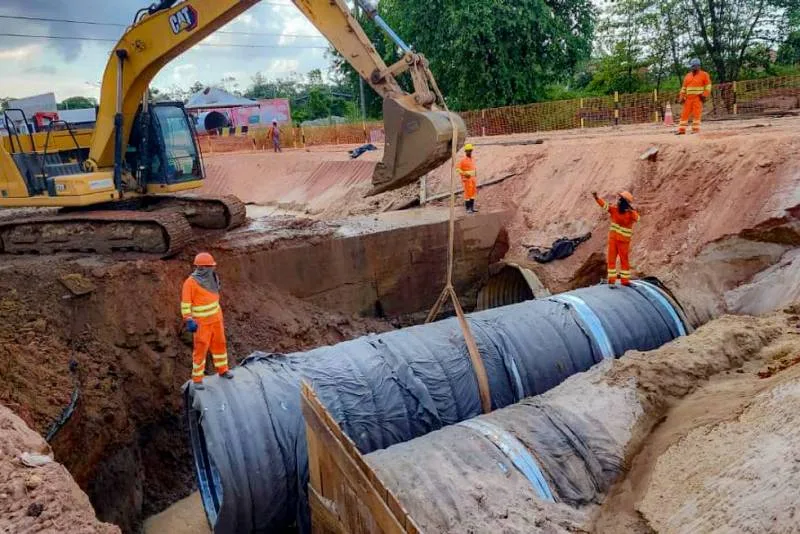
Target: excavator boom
<point x="418" y="134"/>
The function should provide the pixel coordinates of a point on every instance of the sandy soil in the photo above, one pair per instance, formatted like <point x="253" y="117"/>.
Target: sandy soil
<point x="699" y="435"/>
<point x="43" y="499"/>
<point x="722" y="459"/>
<point x="184" y="517"/>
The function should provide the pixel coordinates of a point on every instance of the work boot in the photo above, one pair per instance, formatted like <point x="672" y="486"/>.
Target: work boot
<point x="227" y="374"/>
<point x="198" y="386"/>
<point x="680" y="133"/>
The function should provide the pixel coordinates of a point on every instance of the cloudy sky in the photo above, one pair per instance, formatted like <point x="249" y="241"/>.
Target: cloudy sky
<point x="274" y="31"/>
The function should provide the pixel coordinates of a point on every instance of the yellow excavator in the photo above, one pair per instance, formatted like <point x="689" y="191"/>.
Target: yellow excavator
<point x="122" y="186"/>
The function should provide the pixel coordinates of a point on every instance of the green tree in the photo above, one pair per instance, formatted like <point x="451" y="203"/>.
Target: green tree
<point x="727" y="31"/>
<point x="77" y="102"/>
<point x="486" y="54"/>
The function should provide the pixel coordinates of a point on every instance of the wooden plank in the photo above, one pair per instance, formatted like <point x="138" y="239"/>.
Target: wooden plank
<point x="336" y="450"/>
<point x="324" y="517"/>
<point x="314" y="477"/>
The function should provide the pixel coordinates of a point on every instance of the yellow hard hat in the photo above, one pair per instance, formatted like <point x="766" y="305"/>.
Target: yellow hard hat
<point x="468" y="147"/>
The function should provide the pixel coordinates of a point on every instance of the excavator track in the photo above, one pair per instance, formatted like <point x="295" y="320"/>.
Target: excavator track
<point x="163" y="233"/>
<point x="218" y="212"/>
<point x="213" y="212"/>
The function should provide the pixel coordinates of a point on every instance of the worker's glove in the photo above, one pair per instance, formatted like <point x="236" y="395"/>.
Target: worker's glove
<point x="191" y="325"/>
<point x="594" y="195"/>
<point x="703" y="99"/>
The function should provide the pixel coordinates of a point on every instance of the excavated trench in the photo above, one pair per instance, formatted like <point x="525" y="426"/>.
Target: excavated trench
<point x="97" y="358"/>
<point x="107" y="330"/>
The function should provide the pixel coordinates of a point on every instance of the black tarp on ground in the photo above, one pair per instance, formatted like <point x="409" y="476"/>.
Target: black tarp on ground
<point x="248" y="435"/>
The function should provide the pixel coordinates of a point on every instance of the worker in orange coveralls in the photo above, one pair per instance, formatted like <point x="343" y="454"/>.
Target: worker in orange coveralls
<point x="623" y="217"/>
<point x="203" y="317"/>
<point x="467" y="170"/>
<point x="694" y="92"/>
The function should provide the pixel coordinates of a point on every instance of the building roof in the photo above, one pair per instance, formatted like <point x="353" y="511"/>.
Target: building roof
<point x="212" y="97"/>
<point x="76" y="116"/>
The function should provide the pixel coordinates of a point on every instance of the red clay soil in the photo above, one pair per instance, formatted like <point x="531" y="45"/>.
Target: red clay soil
<point x="716" y="208"/>
<point x="321" y="181"/>
<point x="124" y="444"/>
<point x="41" y="498"/>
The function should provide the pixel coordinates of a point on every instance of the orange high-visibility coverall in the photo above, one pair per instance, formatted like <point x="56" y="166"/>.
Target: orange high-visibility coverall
<point x="619" y="241"/>
<point x="203" y="306"/>
<point x="467" y="170"/>
<point x="694" y="85"/>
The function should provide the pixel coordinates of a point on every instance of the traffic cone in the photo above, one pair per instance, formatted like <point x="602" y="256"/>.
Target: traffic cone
<point x="668" y="115"/>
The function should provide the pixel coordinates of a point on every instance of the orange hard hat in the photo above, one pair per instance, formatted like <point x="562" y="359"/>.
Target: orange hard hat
<point x="204" y="259"/>
<point x="627" y="196"/>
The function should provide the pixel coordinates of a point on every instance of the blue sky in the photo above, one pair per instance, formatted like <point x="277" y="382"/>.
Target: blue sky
<point x="31" y="65"/>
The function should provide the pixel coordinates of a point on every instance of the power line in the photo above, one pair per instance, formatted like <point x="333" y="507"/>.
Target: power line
<point x="213" y="45"/>
<point x="117" y="25"/>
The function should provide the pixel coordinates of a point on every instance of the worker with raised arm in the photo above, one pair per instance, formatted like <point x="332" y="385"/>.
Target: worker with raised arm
<point x="694" y="92"/>
<point x="623" y="217"/>
<point x="468" y="172"/>
<point x="203" y="317"/>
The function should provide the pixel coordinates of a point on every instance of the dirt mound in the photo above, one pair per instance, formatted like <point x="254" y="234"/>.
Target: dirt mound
<point x="717" y="208"/>
<point x="124" y="443"/>
<point x="43" y="497"/>
<point x="323" y="182"/>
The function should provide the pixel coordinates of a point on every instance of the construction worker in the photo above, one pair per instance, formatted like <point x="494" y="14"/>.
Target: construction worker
<point x="202" y="316"/>
<point x="694" y="92"/>
<point x="466" y="168"/>
<point x="275" y="136"/>
<point x="623" y="217"/>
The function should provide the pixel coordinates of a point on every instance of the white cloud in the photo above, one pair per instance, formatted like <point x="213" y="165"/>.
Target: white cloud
<point x="184" y="74"/>
<point x="36" y="65"/>
<point x="25" y="52"/>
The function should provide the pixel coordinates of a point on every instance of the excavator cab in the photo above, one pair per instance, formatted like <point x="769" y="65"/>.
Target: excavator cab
<point x="163" y="147"/>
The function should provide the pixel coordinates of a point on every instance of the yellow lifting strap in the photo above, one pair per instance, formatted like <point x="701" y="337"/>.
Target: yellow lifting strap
<point x="449" y="291"/>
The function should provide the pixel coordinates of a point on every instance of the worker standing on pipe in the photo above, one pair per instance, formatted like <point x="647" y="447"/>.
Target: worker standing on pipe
<point x="467" y="170"/>
<point x="203" y="317"/>
<point x="694" y="92"/>
<point x="623" y="217"/>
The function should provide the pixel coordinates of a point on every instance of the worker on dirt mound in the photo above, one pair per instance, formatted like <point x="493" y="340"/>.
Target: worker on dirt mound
<point x="203" y="317"/>
<point x="694" y="92"/>
<point x="467" y="170"/>
<point x="623" y="217"/>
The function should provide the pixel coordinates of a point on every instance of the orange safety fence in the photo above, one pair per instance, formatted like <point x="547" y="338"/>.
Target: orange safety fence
<point x="237" y="139"/>
<point x="728" y="100"/>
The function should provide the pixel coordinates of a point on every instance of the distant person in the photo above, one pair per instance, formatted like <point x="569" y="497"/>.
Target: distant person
<point x="694" y="92"/>
<point x="467" y="170"/>
<point x="623" y="217"/>
<point x="275" y="136"/>
<point x="203" y="317"/>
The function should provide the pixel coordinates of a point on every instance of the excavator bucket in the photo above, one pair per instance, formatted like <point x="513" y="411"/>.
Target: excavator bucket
<point x="417" y="141"/>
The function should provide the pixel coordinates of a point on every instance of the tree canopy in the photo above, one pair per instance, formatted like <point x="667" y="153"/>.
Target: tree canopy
<point x="486" y="54"/>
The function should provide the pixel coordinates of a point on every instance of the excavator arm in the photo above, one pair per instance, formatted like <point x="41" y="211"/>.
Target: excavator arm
<point x="418" y="134"/>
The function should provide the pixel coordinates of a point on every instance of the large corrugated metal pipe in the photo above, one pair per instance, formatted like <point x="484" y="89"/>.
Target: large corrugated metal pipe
<point x="248" y="434"/>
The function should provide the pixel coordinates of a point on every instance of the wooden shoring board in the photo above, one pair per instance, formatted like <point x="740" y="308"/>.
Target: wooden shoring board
<point x="345" y="494"/>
